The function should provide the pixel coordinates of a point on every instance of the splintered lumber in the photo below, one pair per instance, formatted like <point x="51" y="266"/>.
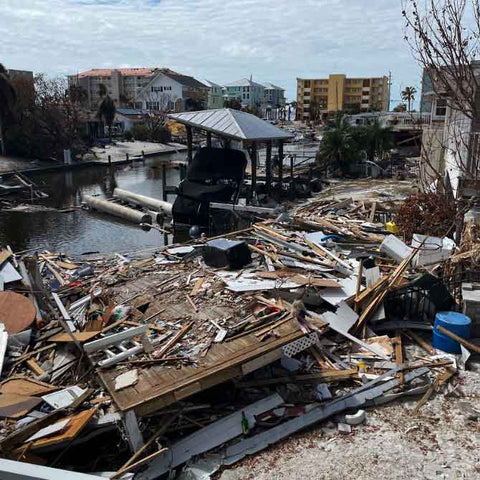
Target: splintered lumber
<point x="440" y="380"/>
<point x="173" y="341"/>
<point x="417" y="338"/>
<point x="198" y="285"/>
<point x="398" y="355"/>
<point x="263" y="252"/>
<point x="325" y="376"/>
<point x="392" y="278"/>
<point x="34" y="367"/>
<point x="127" y="466"/>
<point x="80" y="336"/>
<point x="460" y="340"/>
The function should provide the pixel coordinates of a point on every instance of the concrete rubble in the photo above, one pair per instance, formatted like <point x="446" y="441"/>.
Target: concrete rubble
<point x="195" y="356"/>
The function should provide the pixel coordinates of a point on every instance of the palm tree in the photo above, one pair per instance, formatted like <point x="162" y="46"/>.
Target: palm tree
<point x="408" y="95"/>
<point x="106" y="112"/>
<point x="378" y="140"/>
<point x="338" y="147"/>
<point x="8" y="98"/>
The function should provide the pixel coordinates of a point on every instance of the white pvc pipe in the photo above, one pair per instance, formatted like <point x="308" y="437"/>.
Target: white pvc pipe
<point x="117" y="210"/>
<point x="149" y="202"/>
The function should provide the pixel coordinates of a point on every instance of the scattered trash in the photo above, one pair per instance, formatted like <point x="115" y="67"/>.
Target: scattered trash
<point x="228" y="345"/>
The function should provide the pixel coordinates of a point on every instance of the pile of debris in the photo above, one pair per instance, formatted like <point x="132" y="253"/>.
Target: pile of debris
<point x="224" y="345"/>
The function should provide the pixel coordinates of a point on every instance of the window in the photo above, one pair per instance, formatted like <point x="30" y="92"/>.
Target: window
<point x="153" y="105"/>
<point x="243" y="96"/>
<point x="306" y="83"/>
<point x="306" y="101"/>
<point x="365" y="101"/>
<point x="441" y="107"/>
<point x="366" y="82"/>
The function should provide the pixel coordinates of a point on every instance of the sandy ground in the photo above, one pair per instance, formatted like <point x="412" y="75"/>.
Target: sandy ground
<point x="368" y="189"/>
<point x="119" y="151"/>
<point x="8" y="164"/>
<point x="442" y="442"/>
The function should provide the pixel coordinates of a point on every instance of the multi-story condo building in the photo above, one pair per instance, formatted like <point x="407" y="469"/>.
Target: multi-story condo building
<point x="146" y="88"/>
<point x="274" y="96"/>
<point x="250" y="93"/>
<point x="339" y="93"/>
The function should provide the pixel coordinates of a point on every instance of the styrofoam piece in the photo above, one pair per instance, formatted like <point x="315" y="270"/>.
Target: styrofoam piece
<point x="433" y="250"/>
<point x="395" y="248"/>
<point x="356" y="418"/>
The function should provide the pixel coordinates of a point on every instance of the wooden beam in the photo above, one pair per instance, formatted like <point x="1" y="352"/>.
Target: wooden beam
<point x="397" y="341"/>
<point x="417" y="338"/>
<point x="325" y="376"/>
<point x="268" y="167"/>
<point x="280" y="162"/>
<point x="130" y="463"/>
<point x="189" y="144"/>
<point x="460" y="340"/>
<point x="253" y="158"/>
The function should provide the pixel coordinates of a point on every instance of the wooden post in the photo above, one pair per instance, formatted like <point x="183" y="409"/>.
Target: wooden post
<point x="268" y="167"/>
<point x="209" y="140"/>
<point x="189" y="144"/>
<point x="109" y="159"/>
<point x="280" y="162"/>
<point x="126" y="155"/>
<point x="253" y="156"/>
<point x="164" y="182"/>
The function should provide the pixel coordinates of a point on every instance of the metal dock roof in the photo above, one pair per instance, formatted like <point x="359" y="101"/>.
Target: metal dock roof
<point x="235" y="124"/>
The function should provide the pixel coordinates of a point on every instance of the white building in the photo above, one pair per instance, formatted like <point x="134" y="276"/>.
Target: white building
<point x="147" y="88"/>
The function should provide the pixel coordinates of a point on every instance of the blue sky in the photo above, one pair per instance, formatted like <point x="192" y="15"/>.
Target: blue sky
<point x="273" y="40"/>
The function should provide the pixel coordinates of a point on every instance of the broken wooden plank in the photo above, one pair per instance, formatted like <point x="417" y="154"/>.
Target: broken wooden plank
<point x="326" y="375"/>
<point x="173" y="341"/>
<point x="460" y="340"/>
<point x="80" y="336"/>
<point x="198" y="285"/>
<point x="420" y="341"/>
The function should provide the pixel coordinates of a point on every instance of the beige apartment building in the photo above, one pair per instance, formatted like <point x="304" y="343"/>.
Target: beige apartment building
<point x="338" y="92"/>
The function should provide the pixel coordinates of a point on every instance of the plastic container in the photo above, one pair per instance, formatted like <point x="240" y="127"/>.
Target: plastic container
<point x="456" y="323"/>
<point x="391" y="227"/>
<point x="395" y="248"/>
<point x="433" y="250"/>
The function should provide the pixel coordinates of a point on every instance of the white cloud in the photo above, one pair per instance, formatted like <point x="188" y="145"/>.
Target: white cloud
<point x="274" y="40"/>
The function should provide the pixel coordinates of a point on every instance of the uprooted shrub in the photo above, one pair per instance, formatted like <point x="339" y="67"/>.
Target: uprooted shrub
<point x="425" y="213"/>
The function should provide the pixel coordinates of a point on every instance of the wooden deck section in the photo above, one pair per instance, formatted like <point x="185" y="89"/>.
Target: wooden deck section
<point x="159" y="386"/>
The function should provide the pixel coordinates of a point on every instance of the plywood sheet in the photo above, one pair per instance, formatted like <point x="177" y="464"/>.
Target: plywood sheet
<point x="26" y="386"/>
<point x="16" y="312"/>
<point x="75" y="425"/>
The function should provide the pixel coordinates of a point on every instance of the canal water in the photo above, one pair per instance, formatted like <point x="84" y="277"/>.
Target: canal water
<point x="79" y="231"/>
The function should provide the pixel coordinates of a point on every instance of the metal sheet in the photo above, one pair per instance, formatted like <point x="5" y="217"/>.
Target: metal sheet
<point x="232" y="123"/>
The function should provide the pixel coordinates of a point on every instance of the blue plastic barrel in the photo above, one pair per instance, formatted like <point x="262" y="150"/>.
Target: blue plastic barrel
<point x="456" y="323"/>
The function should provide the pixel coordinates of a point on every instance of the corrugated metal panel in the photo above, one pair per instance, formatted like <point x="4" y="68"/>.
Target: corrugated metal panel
<point x="232" y="123"/>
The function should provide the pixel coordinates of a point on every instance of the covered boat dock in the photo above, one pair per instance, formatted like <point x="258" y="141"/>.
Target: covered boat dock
<point x="229" y="125"/>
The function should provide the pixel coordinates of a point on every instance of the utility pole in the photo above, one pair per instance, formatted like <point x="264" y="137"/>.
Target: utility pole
<point x="389" y="88"/>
